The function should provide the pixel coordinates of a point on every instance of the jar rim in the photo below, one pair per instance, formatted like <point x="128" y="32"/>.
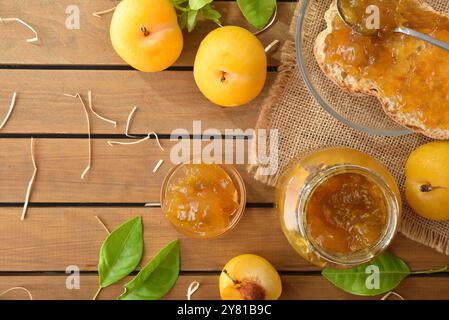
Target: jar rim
<point x="361" y="256"/>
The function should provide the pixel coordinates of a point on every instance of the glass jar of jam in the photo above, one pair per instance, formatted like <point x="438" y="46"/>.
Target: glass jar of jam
<point x="338" y="207"/>
<point x="203" y="200"/>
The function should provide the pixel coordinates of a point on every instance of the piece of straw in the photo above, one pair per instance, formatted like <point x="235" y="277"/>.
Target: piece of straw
<point x="77" y="95"/>
<point x="30" y="184"/>
<point x="271" y="45"/>
<point x="128" y="123"/>
<point x="158" y="165"/>
<point x="17" y="288"/>
<point x="23" y="23"/>
<point x="112" y="143"/>
<point x="11" y="107"/>
<point x="193" y="287"/>
<point x="89" y="97"/>
<point x="102" y="224"/>
<point x="392" y="293"/>
<point x="153" y="204"/>
<point x="99" y="14"/>
<point x="157" y="140"/>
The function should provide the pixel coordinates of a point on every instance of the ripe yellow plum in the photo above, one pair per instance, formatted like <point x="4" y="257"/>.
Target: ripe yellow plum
<point x="427" y="180"/>
<point x="250" y="277"/>
<point x="146" y="34"/>
<point x="231" y="66"/>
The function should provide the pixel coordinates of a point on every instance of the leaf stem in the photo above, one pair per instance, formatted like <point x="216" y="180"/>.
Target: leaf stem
<point x="431" y="271"/>
<point x="180" y="8"/>
<point x="97" y="293"/>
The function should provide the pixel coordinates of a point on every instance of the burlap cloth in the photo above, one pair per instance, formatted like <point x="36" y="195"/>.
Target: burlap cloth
<point x="305" y="126"/>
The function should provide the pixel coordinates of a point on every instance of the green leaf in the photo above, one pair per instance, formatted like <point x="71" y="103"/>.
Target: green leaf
<point x="198" y="4"/>
<point x="211" y="14"/>
<point x="121" y="252"/>
<point x="379" y="276"/>
<point x="157" y="278"/>
<point x="192" y="18"/>
<point x="257" y="12"/>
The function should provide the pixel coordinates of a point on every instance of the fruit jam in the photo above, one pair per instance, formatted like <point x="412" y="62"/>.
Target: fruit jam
<point x="346" y="213"/>
<point x="407" y="71"/>
<point x="338" y="207"/>
<point x="201" y="200"/>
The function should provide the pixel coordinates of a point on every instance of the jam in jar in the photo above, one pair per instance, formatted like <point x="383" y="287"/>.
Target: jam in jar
<point x="203" y="200"/>
<point x="338" y="207"/>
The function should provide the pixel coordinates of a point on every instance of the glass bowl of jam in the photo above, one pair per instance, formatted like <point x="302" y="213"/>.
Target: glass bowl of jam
<point x="338" y="207"/>
<point x="203" y="200"/>
<point x="361" y="112"/>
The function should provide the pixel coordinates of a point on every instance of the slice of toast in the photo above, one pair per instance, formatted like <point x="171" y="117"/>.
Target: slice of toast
<point x="353" y="85"/>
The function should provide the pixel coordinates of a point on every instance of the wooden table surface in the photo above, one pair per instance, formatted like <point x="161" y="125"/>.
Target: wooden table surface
<point x="60" y="228"/>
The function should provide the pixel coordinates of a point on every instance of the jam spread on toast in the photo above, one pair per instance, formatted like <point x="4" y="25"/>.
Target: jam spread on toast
<point x="412" y="74"/>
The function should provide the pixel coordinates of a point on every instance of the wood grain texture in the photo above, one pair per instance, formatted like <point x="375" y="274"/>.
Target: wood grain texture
<point x="90" y="45"/>
<point x="119" y="174"/>
<point x="165" y="101"/>
<point x="296" y="287"/>
<point x="50" y="239"/>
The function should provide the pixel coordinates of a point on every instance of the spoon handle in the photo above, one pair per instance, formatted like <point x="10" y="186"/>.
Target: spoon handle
<point x="424" y="37"/>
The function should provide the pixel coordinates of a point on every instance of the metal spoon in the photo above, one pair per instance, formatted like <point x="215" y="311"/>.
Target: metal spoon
<point x="400" y="29"/>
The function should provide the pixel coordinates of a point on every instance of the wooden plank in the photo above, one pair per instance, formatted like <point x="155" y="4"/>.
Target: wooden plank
<point x="50" y="239"/>
<point x="295" y="287"/>
<point x="165" y="101"/>
<point x="119" y="174"/>
<point x="90" y="45"/>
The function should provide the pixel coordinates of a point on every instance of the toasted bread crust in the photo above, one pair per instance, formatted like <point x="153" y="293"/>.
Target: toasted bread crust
<point x="367" y="87"/>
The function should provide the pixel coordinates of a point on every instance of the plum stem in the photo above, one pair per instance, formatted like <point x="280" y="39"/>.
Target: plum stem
<point x="230" y="277"/>
<point x="223" y="76"/>
<point x="144" y="30"/>
<point x="429" y="188"/>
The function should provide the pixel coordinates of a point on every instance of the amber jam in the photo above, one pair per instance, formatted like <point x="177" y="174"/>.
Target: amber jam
<point x="338" y="207"/>
<point x="203" y="200"/>
<point x="346" y="213"/>
<point x="405" y="70"/>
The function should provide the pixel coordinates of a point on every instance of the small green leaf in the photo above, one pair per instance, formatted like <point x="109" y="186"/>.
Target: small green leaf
<point x="198" y="4"/>
<point x="257" y="12"/>
<point x="157" y="278"/>
<point x="379" y="276"/>
<point x="209" y="13"/>
<point x="121" y="252"/>
<point x="192" y="19"/>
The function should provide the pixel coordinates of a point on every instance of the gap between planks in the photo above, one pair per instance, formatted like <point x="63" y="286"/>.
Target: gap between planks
<point x="100" y="136"/>
<point x="251" y="205"/>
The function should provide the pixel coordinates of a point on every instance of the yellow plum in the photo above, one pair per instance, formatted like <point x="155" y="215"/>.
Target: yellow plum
<point x="231" y="66"/>
<point x="249" y="277"/>
<point x="427" y="180"/>
<point x="146" y="34"/>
